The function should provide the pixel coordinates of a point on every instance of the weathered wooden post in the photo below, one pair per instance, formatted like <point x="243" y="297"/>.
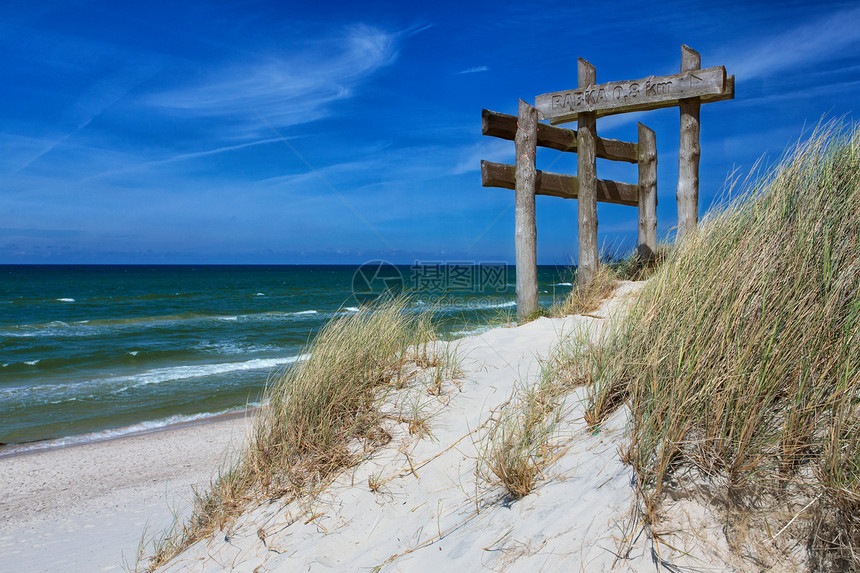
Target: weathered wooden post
<point x="647" y="244"/>
<point x="586" y="173"/>
<point x="689" y="151"/>
<point x="526" y="228"/>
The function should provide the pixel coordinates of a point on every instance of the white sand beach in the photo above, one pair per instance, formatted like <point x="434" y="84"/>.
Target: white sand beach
<point x="85" y="508"/>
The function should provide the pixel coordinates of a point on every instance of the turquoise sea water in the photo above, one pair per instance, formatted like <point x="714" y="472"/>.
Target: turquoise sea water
<point x="89" y="352"/>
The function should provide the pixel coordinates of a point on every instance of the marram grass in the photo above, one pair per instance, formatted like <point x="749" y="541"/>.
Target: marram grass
<point x="585" y="298"/>
<point x="518" y="441"/>
<point x="320" y="417"/>
<point x="741" y="359"/>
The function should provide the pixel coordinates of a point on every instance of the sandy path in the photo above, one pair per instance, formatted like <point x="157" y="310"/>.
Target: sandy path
<point x="433" y="510"/>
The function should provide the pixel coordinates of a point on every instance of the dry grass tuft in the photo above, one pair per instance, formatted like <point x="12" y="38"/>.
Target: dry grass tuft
<point x="519" y="442"/>
<point x="741" y="360"/>
<point x="587" y="298"/>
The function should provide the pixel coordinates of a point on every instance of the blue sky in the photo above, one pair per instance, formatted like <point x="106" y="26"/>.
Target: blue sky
<point x="325" y="132"/>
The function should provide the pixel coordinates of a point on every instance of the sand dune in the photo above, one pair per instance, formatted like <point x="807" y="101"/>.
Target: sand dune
<point x="82" y="508"/>
<point x="432" y="511"/>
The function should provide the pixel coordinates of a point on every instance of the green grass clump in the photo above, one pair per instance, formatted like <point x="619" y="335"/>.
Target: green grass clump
<point x="539" y="312"/>
<point x="320" y="417"/>
<point x="741" y="358"/>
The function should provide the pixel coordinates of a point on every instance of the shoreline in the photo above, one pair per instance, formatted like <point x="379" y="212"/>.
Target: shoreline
<point x="106" y="435"/>
<point x="84" y="505"/>
<point x="8" y="450"/>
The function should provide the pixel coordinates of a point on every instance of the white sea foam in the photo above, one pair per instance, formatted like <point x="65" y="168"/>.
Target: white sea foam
<point x="260" y="294"/>
<point x="352" y="309"/>
<point x="65" y="300"/>
<point x="118" y="384"/>
<point x="269" y="316"/>
<point x="107" y="326"/>
<point x="562" y="284"/>
<point x="474" y="331"/>
<point x="133" y="352"/>
<point x="476" y="304"/>
<point x="235" y="348"/>
<point x="59" y="328"/>
<point x="32" y="362"/>
<point x="159" y="375"/>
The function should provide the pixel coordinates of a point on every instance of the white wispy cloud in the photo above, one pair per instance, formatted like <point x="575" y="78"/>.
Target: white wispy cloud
<point x="302" y="177"/>
<point x="822" y="39"/>
<point x="288" y="89"/>
<point x="809" y="93"/>
<point x="474" y="70"/>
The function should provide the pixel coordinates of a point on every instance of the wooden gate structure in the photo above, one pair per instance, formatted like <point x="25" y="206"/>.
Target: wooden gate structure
<point x="584" y="104"/>
<point x="527" y="181"/>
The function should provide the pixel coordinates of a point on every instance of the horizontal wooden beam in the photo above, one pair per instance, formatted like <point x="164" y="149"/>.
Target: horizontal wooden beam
<point x="504" y="126"/>
<point x="710" y="85"/>
<point x="558" y="185"/>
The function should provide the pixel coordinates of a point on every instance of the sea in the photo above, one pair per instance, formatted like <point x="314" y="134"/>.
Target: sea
<point x="93" y="352"/>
